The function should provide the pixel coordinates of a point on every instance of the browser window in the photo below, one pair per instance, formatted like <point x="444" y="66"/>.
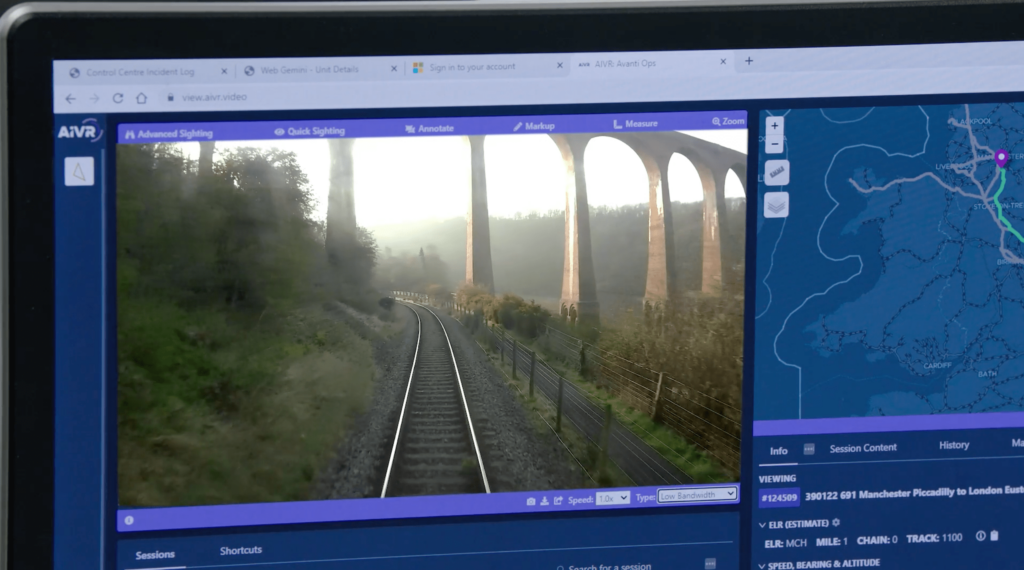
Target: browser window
<point x="513" y="310"/>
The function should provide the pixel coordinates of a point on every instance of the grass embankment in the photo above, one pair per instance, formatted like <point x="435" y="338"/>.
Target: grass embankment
<point x="671" y="445"/>
<point x="583" y="455"/>
<point x="226" y="407"/>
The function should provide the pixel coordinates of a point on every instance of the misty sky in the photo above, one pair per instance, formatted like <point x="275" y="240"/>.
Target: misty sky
<point x="406" y="179"/>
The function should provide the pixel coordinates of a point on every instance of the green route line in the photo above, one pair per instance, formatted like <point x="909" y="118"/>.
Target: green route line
<point x="999" y="207"/>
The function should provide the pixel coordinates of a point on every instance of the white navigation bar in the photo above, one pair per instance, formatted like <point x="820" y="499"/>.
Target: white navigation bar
<point x="115" y="86"/>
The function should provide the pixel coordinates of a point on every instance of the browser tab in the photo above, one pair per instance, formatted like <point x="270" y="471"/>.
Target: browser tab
<point x="113" y="72"/>
<point x="488" y="67"/>
<point x="648" y="64"/>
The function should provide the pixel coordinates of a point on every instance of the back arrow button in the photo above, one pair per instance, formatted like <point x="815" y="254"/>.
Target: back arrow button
<point x="69" y="98"/>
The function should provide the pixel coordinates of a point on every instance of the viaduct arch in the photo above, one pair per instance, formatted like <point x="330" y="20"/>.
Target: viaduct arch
<point x="579" y="286"/>
<point x="655" y="149"/>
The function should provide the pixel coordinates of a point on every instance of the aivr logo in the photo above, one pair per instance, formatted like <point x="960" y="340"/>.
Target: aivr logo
<point x="88" y="130"/>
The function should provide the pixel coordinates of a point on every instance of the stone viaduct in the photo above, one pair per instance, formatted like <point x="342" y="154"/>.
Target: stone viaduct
<point x="579" y="285"/>
<point x="341" y="201"/>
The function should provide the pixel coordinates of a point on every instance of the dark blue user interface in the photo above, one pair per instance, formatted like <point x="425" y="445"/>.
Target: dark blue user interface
<point x="453" y="342"/>
<point x="552" y="340"/>
<point x="888" y="380"/>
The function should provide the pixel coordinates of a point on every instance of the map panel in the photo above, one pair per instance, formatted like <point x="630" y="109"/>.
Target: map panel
<point x="890" y="265"/>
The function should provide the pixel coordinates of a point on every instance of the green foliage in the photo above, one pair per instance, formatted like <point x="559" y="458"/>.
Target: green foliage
<point x="675" y="447"/>
<point x="698" y="342"/>
<point x="228" y="391"/>
<point x="212" y="411"/>
<point x="511" y="311"/>
<point x="240" y="237"/>
<point x="354" y="257"/>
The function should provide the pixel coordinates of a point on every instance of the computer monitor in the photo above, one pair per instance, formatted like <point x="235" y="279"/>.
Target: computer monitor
<point x="480" y="286"/>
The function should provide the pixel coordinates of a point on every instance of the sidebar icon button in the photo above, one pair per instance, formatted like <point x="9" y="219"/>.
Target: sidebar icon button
<point x="79" y="171"/>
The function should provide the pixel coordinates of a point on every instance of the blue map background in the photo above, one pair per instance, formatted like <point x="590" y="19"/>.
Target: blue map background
<point x="897" y="301"/>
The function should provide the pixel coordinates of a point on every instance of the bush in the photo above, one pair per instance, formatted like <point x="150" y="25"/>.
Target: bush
<point x="510" y="311"/>
<point x="228" y="392"/>
<point x="698" y="343"/>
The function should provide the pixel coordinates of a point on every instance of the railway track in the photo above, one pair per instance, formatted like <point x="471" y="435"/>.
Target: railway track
<point x="435" y="451"/>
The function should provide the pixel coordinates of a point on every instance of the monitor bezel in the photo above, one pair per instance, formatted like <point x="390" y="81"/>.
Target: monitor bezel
<point x="34" y="35"/>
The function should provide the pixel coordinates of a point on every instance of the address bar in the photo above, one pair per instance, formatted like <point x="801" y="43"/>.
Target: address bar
<point x="536" y="91"/>
<point x="211" y="97"/>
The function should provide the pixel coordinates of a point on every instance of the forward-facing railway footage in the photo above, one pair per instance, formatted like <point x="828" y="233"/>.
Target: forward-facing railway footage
<point x="429" y="315"/>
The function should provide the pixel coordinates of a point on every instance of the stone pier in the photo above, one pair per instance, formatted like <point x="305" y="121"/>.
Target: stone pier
<point x="662" y="285"/>
<point x="578" y="300"/>
<point x="341" y="204"/>
<point x="579" y="286"/>
<point x="479" y="269"/>
<point x="712" y="163"/>
<point x="206" y="149"/>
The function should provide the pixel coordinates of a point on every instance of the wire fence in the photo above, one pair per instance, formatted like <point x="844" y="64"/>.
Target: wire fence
<point x="707" y="422"/>
<point x="704" y="420"/>
<point x="614" y="443"/>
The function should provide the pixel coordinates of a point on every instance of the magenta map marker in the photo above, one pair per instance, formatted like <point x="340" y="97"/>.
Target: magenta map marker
<point x="1001" y="157"/>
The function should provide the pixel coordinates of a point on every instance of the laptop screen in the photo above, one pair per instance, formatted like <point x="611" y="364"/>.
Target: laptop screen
<point x="517" y="311"/>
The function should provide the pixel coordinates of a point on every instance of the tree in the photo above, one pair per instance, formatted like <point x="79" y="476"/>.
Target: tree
<point x="247" y="237"/>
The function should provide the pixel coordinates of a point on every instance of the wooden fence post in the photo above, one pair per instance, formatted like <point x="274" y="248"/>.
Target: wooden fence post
<point x="558" y="418"/>
<point x="501" y="343"/>
<point x="515" y="355"/>
<point x="533" y="366"/>
<point x="656" y="407"/>
<point x="606" y="434"/>
<point x="583" y="358"/>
